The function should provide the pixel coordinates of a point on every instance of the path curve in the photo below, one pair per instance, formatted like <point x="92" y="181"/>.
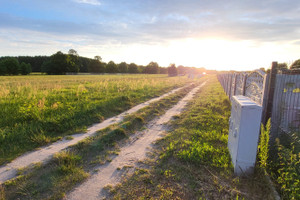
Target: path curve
<point x="45" y="153"/>
<point x="130" y="154"/>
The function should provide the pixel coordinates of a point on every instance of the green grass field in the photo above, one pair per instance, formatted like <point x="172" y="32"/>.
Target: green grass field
<point x="193" y="161"/>
<point x="36" y="110"/>
<point x="69" y="168"/>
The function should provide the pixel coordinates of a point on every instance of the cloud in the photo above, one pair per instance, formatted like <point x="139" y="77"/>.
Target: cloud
<point x="142" y="21"/>
<point x="91" y="2"/>
<point x="51" y="24"/>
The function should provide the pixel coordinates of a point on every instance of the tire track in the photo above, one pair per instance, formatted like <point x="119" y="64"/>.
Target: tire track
<point x="130" y="154"/>
<point x="44" y="154"/>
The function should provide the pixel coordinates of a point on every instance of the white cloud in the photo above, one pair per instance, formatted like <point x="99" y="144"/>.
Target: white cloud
<point x="92" y="2"/>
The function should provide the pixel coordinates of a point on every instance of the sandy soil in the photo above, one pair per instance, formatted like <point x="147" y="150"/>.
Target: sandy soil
<point x="130" y="154"/>
<point x="44" y="154"/>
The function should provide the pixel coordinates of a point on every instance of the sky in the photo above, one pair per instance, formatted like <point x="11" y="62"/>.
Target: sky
<point x="215" y="34"/>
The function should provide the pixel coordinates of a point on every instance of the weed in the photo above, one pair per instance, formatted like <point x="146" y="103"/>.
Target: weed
<point x="288" y="171"/>
<point x="66" y="161"/>
<point x="263" y="147"/>
<point x="2" y="193"/>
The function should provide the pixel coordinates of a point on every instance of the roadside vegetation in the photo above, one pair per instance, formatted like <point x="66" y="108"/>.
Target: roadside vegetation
<point x="192" y="161"/>
<point x="37" y="110"/>
<point x="281" y="162"/>
<point x="70" y="167"/>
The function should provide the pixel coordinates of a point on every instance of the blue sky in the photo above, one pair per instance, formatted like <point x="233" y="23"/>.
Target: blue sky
<point x="220" y="34"/>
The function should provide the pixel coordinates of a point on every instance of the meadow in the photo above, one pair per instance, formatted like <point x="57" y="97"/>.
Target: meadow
<point x="74" y="165"/>
<point x="192" y="161"/>
<point x="37" y="110"/>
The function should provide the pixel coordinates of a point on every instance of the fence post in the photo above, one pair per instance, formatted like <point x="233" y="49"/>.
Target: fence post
<point x="234" y="89"/>
<point x="230" y="86"/>
<point x="271" y="89"/>
<point x="244" y="84"/>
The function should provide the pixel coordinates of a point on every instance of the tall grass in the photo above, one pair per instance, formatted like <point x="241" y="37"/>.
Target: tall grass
<point x="281" y="161"/>
<point x="263" y="147"/>
<point x="36" y="110"/>
<point x="69" y="168"/>
<point x="193" y="162"/>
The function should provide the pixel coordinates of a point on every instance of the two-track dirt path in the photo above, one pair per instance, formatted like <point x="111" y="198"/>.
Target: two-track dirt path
<point x="130" y="154"/>
<point x="44" y="154"/>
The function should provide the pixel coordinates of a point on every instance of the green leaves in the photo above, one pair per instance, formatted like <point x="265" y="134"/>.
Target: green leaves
<point x="263" y="147"/>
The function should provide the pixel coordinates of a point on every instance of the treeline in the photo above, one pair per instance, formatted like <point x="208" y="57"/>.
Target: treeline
<point x="11" y="66"/>
<point x="61" y="63"/>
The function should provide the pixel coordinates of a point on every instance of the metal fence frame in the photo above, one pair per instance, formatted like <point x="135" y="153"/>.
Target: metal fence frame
<point x="278" y="94"/>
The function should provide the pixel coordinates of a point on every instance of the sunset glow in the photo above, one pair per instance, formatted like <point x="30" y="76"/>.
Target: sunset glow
<point x="239" y="36"/>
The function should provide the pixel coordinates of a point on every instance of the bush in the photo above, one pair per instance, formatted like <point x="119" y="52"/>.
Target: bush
<point x="288" y="170"/>
<point x="284" y="165"/>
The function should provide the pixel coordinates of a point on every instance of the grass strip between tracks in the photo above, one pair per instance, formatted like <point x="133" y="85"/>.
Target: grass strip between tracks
<point x="192" y="161"/>
<point x="70" y="167"/>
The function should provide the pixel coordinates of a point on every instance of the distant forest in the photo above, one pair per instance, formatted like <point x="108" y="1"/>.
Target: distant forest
<point x="60" y="63"/>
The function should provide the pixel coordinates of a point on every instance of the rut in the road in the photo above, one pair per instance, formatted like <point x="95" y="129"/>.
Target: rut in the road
<point x="44" y="154"/>
<point x="129" y="155"/>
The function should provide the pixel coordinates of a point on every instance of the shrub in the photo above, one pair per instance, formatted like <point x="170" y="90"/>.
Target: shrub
<point x="288" y="172"/>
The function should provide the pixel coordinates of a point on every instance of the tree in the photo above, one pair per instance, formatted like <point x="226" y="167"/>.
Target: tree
<point x="263" y="69"/>
<point x="25" y="68"/>
<point x="281" y="66"/>
<point x="96" y="66"/>
<point x="60" y="63"/>
<point x="142" y="69"/>
<point x="295" y="65"/>
<point x="133" y="68"/>
<point x="163" y="70"/>
<point x="73" y="61"/>
<point x="172" y="70"/>
<point x="47" y="67"/>
<point x="181" y="70"/>
<point x="3" y="68"/>
<point x="152" y="68"/>
<point x="123" y="67"/>
<point x="98" y="58"/>
<point x="73" y="52"/>
<point x="111" y="67"/>
<point x="10" y="66"/>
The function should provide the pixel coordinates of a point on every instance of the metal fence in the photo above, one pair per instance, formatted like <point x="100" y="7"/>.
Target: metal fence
<point x="278" y="94"/>
<point x="286" y="104"/>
